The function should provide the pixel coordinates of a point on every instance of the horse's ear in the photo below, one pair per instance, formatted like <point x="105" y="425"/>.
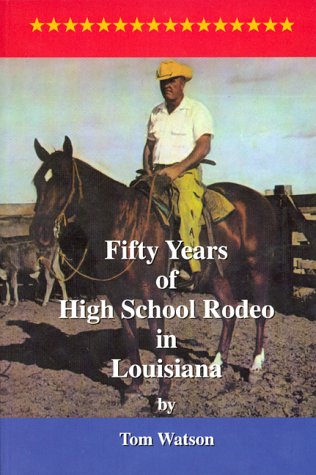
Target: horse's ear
<point x="40" y="151"/>
<point x="67" y="147"/>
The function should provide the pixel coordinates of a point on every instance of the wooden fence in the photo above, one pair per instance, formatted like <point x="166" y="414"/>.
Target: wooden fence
<point x="295" y="263"/>
<point x="15" y="220"/>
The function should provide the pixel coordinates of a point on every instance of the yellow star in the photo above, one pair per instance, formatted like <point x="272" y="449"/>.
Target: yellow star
<point x="170" y="26"/>
<point x="287" y="25"/>
<point x="104" y="25"/>
<point x="87" y="25"/>
<point x="270" y="25"/>
<point x="137" y="25"/>
<point x="186" y="25"/>
<point x="203" y="25"/>
<point x="37" y="25"/>
<point x="53" y="25"/>
<point x="253" y="25"/>
<point x="153" y="25"/>
<point x="70" y="25"/>
<point x="237" y="25"/>
<point x="120" y="25"/>
<point x="220" y="25"/>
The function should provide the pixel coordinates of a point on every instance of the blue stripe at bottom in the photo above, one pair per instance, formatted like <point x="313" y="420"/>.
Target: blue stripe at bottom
<point x="93" y="446"/>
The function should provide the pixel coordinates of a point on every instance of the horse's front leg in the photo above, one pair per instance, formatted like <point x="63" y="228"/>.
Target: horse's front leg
<point x="131" y="342"/>
<point x="156" y="328"/>
<point x="260" y="280"/>
<point x="225" y="296"/>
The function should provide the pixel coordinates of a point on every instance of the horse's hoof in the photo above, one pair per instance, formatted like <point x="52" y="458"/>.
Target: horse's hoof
<point x="133" y="388"/>
<point x="255" y="370"/>
<point x="155" y="411"/>
<point x="135" y="404"/>
<point x="158" y="411"/>
<point x="258" y="363"/>
<point x="255" y="377"/>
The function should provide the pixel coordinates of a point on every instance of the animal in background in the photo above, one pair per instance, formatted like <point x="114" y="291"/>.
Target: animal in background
<point x="26" y="258"/>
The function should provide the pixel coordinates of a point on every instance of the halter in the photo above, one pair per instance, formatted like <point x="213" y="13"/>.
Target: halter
<point x="62" y="218"/>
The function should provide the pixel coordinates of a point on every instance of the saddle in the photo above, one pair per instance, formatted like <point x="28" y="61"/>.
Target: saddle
<point x="215" y="205"/>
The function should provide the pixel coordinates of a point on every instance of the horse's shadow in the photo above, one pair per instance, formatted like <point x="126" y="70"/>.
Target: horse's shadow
<point x="86" y="352"/>
<point x="50" y="348"/>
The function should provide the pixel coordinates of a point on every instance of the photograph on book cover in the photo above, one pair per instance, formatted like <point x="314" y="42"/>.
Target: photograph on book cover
<point x="73" y="135"/>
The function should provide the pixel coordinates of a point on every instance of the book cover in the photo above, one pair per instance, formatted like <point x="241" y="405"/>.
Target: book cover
<point x="79" y="82"/>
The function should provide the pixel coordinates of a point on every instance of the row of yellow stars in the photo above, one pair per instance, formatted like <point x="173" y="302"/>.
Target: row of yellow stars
<point x="170" y="25"/>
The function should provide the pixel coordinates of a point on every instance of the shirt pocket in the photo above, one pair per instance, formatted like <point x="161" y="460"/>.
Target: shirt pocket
<point x="179" y="132"/>
<point x="181" y="140"/>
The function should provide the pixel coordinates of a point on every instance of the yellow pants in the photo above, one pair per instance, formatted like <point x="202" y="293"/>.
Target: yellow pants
<point x="187" y="204"/>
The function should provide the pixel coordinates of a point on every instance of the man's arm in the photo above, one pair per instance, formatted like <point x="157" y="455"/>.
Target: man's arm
<point x="201" y="149"/>
<point x="148" y="156"/>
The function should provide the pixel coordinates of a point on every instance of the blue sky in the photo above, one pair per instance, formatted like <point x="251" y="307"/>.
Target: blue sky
<point x="264" y="111"/>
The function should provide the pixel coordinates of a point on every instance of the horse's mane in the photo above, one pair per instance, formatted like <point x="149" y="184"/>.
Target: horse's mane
<point x="97" y="176"/>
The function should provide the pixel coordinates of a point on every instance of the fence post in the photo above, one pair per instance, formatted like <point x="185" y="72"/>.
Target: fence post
<point x="283" y="280"/>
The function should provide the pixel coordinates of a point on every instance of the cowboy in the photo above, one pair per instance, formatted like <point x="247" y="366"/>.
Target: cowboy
<point x="179" y="133"/>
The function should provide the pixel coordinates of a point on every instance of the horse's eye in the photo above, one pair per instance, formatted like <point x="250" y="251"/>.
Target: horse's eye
<point x="48" y="175"/>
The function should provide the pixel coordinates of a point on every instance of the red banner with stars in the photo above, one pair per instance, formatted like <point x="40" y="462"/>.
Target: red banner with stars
<point x="33" y="28"/>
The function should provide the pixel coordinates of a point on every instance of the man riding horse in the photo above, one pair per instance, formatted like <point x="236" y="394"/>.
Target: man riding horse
<point x="179" y="133"/>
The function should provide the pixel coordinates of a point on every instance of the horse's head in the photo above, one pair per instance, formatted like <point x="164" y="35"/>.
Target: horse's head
<point x="54" y="183"/>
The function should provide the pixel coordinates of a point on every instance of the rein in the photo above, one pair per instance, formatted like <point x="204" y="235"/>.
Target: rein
<point x="62" y="217"/>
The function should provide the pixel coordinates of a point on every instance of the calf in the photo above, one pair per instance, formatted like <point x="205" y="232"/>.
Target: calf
<point x="28" y="259"/>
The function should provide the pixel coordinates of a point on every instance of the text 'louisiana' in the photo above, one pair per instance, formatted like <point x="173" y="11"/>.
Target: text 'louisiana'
<point x="161" y="370"/>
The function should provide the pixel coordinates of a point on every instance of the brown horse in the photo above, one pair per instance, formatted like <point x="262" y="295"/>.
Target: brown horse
<point x="108" y="210"/>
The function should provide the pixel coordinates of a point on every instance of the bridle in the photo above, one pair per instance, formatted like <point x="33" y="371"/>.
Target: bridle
<point x="63" y="220"/>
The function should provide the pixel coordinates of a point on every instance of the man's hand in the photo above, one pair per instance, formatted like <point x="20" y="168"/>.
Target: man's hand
<point x="172" y="172"/>
<point x="201" y="149"/>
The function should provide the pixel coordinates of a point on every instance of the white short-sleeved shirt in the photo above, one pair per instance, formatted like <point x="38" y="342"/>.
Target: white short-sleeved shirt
<point x="175" y="134"/>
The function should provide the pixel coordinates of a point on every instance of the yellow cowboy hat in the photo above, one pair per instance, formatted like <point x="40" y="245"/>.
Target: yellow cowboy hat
<point x="171" y="69"/>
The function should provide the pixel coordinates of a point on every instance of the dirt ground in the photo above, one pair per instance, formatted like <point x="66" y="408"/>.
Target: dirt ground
<point x="61" y="368"/>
